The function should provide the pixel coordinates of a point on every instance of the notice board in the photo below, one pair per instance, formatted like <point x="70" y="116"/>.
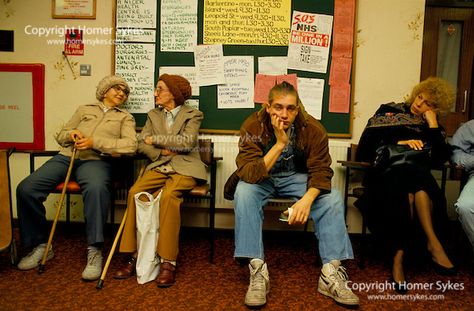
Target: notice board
<point x="224" y="121"/>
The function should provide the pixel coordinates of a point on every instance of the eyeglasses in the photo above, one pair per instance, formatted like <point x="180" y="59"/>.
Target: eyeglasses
<point x="159" y="89"/>
<point x="118" y="88"/>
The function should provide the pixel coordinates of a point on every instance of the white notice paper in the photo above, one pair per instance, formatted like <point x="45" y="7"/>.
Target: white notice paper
<point x="311" y="95"/>
<point x="309" y="42"/>
<point x="136" y="63"/>
<point x="273" y="65"/>
<point x="178" y="25"/>
<point x="238" y="91"/>
<point x="209" y="60"/>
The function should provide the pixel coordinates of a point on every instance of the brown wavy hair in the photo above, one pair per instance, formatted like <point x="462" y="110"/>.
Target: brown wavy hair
<point x="441" y="91"/>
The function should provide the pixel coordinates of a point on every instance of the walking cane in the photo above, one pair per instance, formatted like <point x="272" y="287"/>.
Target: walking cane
<point x="58" y="211"/>
<point x="100" y="283"/>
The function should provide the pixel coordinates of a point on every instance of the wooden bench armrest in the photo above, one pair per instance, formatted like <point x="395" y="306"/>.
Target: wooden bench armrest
<point x="355" y="164"/>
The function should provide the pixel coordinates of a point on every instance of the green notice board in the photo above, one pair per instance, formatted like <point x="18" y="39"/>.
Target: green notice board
<point x="229" y="120"/>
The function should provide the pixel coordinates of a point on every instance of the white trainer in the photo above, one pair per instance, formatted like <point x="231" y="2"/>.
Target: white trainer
<point x="93" y="268"/>
<point x="333" y="283"/>
<point x="259" y="284"/>
<point x="33" y="259"/>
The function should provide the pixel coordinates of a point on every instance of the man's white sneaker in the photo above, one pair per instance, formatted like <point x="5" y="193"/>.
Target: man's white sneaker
<point x="333" y="283"/>
<point x="94" y="265"/>
<point x="33" y="259"/>
<point x="259" y="284"/>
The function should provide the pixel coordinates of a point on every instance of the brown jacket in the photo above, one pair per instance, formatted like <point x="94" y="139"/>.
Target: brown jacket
<point x="311" y="154"/>
<point x="183" y="139"/>
<point x="113" y="132"/>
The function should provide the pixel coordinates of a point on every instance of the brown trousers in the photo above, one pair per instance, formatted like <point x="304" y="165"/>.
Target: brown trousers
<point x="173" y="186"/>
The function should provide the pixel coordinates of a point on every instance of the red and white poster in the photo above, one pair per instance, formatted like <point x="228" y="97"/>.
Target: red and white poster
<point x="310" y="39"/>
<point x="74" y="45"/>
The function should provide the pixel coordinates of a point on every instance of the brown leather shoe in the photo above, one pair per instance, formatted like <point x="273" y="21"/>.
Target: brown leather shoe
<point x="167" y="275"/>
<point x="127" y="270"/>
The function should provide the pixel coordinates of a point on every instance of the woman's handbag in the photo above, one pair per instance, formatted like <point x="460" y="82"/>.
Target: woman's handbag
<point x="389" y="156"/>
<point x="148" y="222"/>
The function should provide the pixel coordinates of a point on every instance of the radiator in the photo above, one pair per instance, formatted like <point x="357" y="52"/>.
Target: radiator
<point x="226" y="146"/>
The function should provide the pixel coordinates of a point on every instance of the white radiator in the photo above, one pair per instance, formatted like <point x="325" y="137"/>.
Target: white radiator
<point x="226" y="146"/>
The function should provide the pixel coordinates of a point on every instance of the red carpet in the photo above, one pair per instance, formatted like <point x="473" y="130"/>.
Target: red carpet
<point x="292" y="261"/>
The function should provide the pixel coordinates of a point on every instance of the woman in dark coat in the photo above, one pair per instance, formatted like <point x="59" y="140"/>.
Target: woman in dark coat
<point x="401" y="198"/>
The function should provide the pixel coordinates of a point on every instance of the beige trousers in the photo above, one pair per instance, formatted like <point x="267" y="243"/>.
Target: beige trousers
<point x="173" y="186"/>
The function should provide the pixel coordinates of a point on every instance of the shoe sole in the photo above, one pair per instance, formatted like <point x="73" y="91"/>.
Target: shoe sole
<point x="337" y="299"/>
<point x="123" y="277"/>
<point x="37" y="264"/>
<point x="165" y="285"/>
<point x="249" y="304"/>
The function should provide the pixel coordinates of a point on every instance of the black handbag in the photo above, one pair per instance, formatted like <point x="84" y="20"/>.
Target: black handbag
<point x="389" y="156"/>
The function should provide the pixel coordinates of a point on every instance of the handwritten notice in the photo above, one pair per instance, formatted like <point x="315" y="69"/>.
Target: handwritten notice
<point x="178" y="25"/>
<point x="340" y="70"/>
<point x="136" y="63"/>
<point x="343" y="35"/>
<point x="264" y="83"/>
<point x="273" y="65"/>
<point x="193" y="103"/>
<point x="136" y="14"/>
<point x="209" y="60"/>
<point x="311" y="95"/>
<point x="135" y="35"/>
<point x="247" y="22"/>
<point x="185" y="71"/>
<point x="238" y="91"/>
<point x="309" y="42"/>
<point x="339" y="99"/>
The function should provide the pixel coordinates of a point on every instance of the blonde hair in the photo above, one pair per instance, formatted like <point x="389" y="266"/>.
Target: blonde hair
<point x="282" y="89"/>
<point x="441" y="92"/>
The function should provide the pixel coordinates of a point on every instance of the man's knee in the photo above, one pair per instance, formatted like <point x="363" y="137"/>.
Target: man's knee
<point x="332" y="201"/>
<point x="244" y="190"/>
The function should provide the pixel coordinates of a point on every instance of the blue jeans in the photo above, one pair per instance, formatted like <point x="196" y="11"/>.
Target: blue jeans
<point x="465" y="209"/>
<point x="327" y="212"/>
<point x="94" y="178"/>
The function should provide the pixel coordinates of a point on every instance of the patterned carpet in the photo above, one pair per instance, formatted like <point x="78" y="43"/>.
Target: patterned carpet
<point x="292" y="261"/>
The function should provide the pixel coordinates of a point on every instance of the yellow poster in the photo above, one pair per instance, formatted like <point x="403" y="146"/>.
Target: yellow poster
<point x="247" y="22"/>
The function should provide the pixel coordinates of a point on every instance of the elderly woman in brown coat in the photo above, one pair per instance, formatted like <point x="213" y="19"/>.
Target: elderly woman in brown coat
<point x="169" y="139"/>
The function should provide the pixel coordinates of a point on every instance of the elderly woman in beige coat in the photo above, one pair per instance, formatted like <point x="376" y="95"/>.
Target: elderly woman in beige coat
<point x="169" y="139"/>
<point x="95" y="129"/>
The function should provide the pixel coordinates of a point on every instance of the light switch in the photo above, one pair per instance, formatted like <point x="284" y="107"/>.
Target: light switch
<point x="85" y="70"/>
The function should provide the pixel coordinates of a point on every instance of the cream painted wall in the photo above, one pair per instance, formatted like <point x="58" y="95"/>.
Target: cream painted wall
<point x="63" y="93"/>
<point x="387" y="54"/>
<point x="386" y="64"/>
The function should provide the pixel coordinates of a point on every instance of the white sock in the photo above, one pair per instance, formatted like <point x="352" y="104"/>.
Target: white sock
<point x="173" y="262"/>
<point x="92" y="248"/>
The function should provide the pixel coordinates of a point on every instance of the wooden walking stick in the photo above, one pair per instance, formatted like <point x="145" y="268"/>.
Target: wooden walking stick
<point x="100" y="283"/>
<point x="58" y="211"/>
